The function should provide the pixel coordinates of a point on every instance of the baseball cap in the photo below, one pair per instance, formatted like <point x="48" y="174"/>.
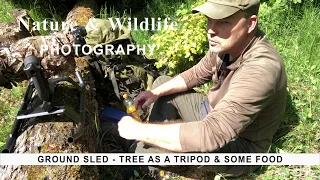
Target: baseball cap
<point x="219" y="9"/>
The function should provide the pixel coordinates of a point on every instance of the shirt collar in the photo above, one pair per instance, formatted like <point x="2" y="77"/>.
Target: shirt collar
<point x="237" y="62"/>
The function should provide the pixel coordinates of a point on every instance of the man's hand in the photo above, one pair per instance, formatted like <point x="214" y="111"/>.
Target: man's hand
<point x="144" y="99"/>
<point x="170" y="86"/>
<point x="128" y="128"/>
<point x="166" y="136"/>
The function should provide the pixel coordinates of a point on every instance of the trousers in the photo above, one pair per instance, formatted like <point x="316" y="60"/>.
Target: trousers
<point x="186" y="107"/>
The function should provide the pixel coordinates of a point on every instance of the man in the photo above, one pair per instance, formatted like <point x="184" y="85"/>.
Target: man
<point x="243" y="109"/>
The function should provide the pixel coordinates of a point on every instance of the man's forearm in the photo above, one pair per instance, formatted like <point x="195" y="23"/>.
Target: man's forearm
<point x="166" y="136"/>
<point x="174" y="85"/>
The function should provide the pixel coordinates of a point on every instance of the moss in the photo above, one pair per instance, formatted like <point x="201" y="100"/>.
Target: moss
<point x="56" y="172"/>
<point x="46" y="148"/>
<point x="82" y="15"/>
<point x="89" y="172"/>
<point x="36" y="172"/>
<point x="73" y="171"/>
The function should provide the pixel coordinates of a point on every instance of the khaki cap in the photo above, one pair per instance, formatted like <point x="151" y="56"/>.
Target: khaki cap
<point x="219" y="9"/>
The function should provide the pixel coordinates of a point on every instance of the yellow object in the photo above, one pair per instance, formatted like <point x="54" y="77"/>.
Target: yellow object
<point x="131" y="109"/>
<point x="161" y="173"/>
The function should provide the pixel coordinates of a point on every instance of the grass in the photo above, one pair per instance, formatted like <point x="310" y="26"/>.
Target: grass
<point x="294" y="32"/>
<point x="38" y="10"/>
<point x="9" y="99"/>
<point x="10" y="102"/>
<point x="5" y="15"/>
<point x="297" y="48"/>
<point x="297" y="37"/>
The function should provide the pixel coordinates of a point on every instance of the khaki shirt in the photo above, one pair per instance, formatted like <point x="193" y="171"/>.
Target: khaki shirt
<point x="247" y="102"/>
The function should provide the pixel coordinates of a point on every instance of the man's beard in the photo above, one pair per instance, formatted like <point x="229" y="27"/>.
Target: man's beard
<point x="216" y="49"/>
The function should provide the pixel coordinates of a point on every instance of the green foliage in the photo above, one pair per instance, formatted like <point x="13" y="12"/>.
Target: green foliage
<point x="38" y="10"/>
<point x="295" y="33"/>
<point x="271" y="2"/>
<point x="288" y="172"/>
<point x="181" y="49"/>
<point x="10" y="102"/>
<point x="5" y="15"/>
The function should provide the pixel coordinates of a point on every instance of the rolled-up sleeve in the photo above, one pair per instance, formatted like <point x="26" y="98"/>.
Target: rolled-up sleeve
<point x="250" y="90"/>
<point x="201" y="72"/>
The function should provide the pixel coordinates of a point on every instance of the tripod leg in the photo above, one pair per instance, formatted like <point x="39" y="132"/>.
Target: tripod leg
<point x="12" y="136"/>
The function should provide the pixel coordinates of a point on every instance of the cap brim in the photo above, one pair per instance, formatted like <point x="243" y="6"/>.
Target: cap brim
<point x="214" y="10"/>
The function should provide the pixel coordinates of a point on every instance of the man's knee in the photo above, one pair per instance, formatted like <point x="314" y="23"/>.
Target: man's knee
<point x="160" y="80"/>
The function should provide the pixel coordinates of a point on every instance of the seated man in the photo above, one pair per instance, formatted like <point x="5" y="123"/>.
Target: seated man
<point x="243" y="109"/>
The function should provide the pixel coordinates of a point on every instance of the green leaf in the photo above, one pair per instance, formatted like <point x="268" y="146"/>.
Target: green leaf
<point x="217" y="177"/>
<point x="308" y="178"/>
<point x="285" y="170"/>
<point x="136" y="174"/>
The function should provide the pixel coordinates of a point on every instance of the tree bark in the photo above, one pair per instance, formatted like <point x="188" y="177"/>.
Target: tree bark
<point x="48" y="134"/>
<point x="11" y="32"/>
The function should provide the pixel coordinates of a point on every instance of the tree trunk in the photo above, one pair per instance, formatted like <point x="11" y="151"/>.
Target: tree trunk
<point x="48" y="134"/>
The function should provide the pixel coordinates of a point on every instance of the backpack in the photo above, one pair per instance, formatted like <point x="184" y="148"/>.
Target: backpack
<point x="126" y="73"/>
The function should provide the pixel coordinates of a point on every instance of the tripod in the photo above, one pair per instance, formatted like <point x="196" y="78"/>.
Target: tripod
<point x="40" y="103"/>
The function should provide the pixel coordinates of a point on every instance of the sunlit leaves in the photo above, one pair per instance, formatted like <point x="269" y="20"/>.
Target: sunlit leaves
<point x="180" y="49"/>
